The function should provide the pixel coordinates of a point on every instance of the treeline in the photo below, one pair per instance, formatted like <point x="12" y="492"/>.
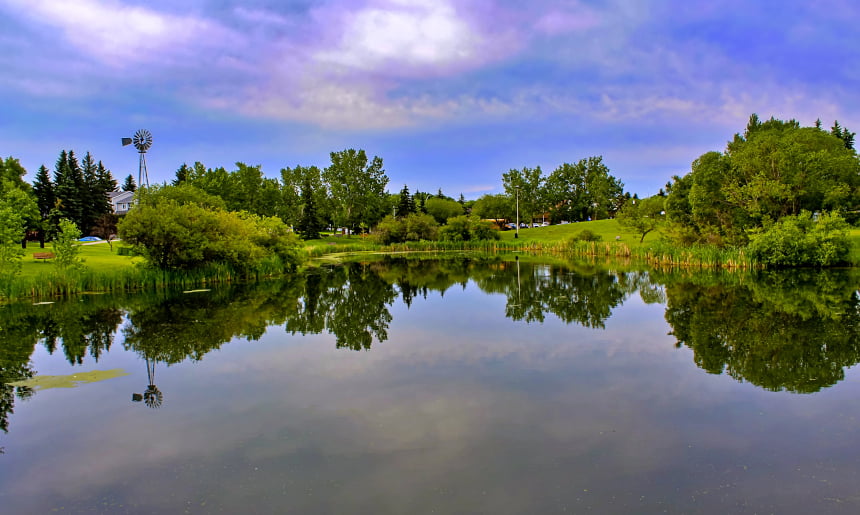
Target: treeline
<point x="783" y="192"/>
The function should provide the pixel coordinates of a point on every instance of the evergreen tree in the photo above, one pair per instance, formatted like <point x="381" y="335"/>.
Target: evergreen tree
<point x="106" y="180"/>
<point x="45" y="200"/>
<point x="406" y="205"/>
<point x="68" y="181"/>
<point x="309" y="223"/>
<point x="129" y="184"/>
<point x="183" y="174"/>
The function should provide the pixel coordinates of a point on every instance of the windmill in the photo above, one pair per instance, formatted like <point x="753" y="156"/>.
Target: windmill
<point x="142" y="140"/>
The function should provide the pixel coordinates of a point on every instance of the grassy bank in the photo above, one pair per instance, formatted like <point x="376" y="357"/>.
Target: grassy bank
<point x="105" y="270"/>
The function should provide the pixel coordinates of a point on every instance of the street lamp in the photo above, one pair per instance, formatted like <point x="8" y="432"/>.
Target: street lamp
<point x="517" y="235"/>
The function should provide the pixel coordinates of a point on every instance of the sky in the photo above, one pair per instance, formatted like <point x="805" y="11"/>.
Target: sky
<point x="451" y="94"/>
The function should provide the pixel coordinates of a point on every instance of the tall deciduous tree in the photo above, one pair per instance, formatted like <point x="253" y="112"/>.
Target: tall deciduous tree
<point x="357" y="188"/>
<point x="527" y="185"/>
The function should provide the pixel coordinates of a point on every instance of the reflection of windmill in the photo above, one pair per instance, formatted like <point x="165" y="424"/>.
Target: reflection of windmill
<point x="152" y="396"/>
<point x="142" y="140"/>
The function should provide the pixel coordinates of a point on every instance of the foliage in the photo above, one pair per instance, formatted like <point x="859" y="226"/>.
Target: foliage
<point x="129" y="183"/>
<point x="415" y="227"/>
<point x="442" y="208"/>
<point x="309" y="225"/>
<point x="405" y="203"/>
<point x="583" y="190"/>
<point x="802" y="241"/>
<point x="11" y="233"/>
<point x="66" y="247"/>
<point x="586" y="235"/>
<point x="466" y="228"/>
<point x="774" y="169"/>
<point x="357" y="189"/>
<point x="525" y="187"/>
<point x="183" y="234"/>
<point x="494" y="207"/>
<point x="643" y="216"/>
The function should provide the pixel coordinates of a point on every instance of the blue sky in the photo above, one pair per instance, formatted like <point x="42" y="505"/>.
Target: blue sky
<point x="450" y="93"/>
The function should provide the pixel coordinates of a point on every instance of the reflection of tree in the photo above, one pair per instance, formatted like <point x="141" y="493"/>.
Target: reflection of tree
<point x="83" y="326"/>
<point x="791" y="330"/>
<point x="585" y="297"/>
<point x="349" y="301"/>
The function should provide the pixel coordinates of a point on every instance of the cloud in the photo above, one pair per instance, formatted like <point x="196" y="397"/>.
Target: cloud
<point x="116" y="34"/>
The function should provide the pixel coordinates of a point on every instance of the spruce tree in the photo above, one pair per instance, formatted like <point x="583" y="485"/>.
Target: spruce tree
<point x="43" y="188"/>
<point x="129" y="184"/>
<point x="309" y="224"/>
<point x="406" y="205"/>
<point x="182" y="174"/>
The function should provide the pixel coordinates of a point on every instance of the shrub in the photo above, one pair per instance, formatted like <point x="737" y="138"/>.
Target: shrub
<point x="415" y="227"/>
<point x="802" y="241"/>
<point x="586" y="235"/>
<point x="464" y="228"/>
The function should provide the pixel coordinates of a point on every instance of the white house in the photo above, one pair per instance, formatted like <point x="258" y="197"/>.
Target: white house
<point x="121" y="201"/>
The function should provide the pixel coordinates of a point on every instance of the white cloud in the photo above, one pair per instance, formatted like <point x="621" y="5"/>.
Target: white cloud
<point x="408" y="33"/>
<point x="114" y="33"/>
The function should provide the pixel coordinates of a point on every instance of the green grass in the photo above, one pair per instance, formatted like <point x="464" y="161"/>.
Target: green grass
<point x="606" y="229"/>
<point x="97" y="257"/>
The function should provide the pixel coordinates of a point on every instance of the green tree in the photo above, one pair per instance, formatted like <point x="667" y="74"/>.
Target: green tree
<point x="309" y="223"/>
<point x="405" y="205"/>
<point x="643" y="216"/>
<point x="494" y="206"/>
<point x="527" y="185"/>
<point x="43" y="188"/>
<point x="11" y="232"/>
<point x="129" y="184"/>
<point x="357" y="188"/>
<point x="66" y="247"/>
<point x="443" y="208"/>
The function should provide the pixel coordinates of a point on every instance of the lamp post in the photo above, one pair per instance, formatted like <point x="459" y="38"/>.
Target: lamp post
<point x="517" y="235"/>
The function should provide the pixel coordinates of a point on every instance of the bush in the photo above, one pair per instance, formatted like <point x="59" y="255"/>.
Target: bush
<point x="586" y="235"/>
<point x="415" y="227"/>
<point x="802" y="241"/>
<point x="464" y="228"/>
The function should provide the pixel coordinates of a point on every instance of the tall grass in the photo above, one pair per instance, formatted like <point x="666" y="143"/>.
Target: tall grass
<point x="60" y="283"/>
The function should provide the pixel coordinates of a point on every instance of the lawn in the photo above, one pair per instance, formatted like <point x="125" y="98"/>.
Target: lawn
<point x="97" y="256"/>
<point x="608" y="230"/>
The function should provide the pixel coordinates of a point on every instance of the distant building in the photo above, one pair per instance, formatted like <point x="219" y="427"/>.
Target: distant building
<point x="121" y="201"/>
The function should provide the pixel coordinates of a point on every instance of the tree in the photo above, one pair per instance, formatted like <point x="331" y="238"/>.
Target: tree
<point x="443" y="208"/>
<point x="182" y="174"/>
<point x="643" y="216"/>
<point x="66" y="247"/>
<point x="11" y="233"/>
<point x="293" y="181"/>
<point x="775" y="169"/>
<point x="494" y="206"/>
<point x="405" y="205"/>
<point x="43" y="188"/>
<point x="357" y="188"/>
<point x="309" y="224"/>
<point x="527" y="185"/>
<point x="129" y="184"/>
<point x="180" y="227"/>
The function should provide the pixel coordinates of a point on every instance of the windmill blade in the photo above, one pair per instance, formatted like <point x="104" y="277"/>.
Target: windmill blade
<point x="126" y="141"/>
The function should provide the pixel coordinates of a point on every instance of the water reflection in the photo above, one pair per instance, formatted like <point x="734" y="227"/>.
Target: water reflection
<point x="794" y="331"/>
<point x="780" y="331"/>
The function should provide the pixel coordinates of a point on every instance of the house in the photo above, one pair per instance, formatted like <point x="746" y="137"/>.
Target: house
<point x="121" y="201"/>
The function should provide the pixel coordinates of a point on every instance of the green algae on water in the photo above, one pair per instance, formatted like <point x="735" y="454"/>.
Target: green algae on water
<point x="69" y="381"/>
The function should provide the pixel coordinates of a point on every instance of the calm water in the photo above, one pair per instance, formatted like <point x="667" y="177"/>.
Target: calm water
<point x="456" y="386"/>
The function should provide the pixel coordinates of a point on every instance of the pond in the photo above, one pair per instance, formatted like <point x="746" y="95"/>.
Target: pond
<point x="493" y="384"/>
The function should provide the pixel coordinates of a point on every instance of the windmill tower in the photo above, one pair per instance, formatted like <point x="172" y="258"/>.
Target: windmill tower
<point x="142" y="140"/>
